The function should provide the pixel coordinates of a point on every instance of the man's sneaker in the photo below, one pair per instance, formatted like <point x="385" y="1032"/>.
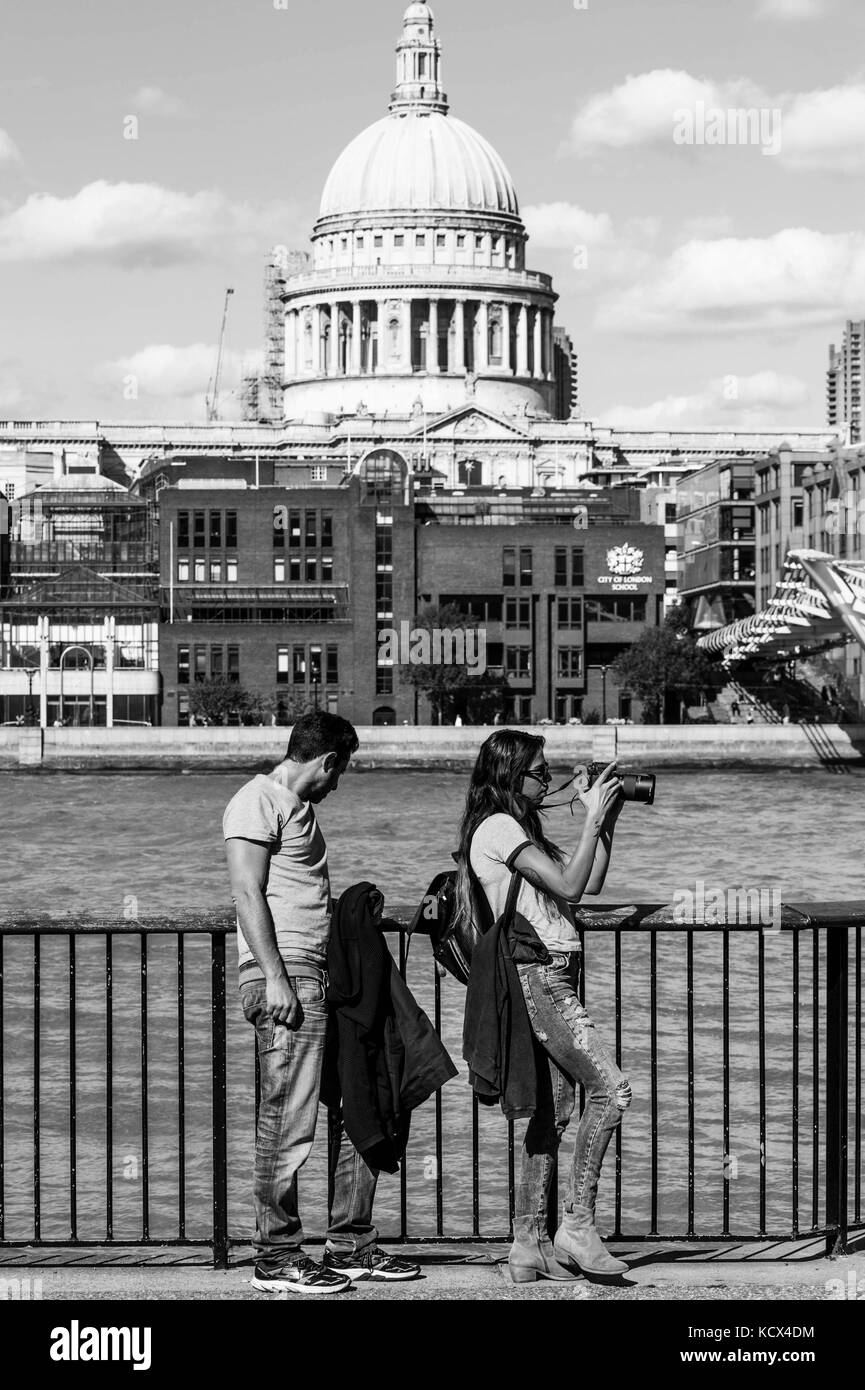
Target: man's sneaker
<point x="301" y="1276"/>
<point x="370" y="1263"/>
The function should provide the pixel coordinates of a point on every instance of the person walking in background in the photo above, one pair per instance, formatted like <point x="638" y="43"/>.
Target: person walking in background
<point x="505" y="859"/>
<point x="277" y="862"/>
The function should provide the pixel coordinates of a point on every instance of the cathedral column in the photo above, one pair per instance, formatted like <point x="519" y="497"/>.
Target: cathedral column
<point x="382" y="336"/>
<point x="356" y="337"/>
<point x="538" y="364"/>
<point x="460" y="336"/>
<point x="523" y="341"/>
<point x="507" y="364"/>
<point x="406" y="334"/>
<point x="333" y="366"/>
<point x="290" y="343"/>
<point x="318" y="344"/>
<point x="432" y="342"/>
<point x="483" y="337"/>
<point x="549" y="344"/>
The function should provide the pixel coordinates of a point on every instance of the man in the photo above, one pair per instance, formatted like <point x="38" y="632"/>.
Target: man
<point x="277" y="862"/>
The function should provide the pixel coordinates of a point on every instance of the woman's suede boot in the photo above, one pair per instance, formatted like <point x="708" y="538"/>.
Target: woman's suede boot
<point x="578" y="1243"/>
<point x="531" y="1255"/>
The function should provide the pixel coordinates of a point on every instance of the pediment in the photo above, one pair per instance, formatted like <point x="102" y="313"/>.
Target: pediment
<point x="470" y="423"/>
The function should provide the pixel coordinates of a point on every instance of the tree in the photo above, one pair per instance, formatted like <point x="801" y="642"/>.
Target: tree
<point x="452" y="687"/>
<point x="215" y="700"/>
<point x="666" y="659"/>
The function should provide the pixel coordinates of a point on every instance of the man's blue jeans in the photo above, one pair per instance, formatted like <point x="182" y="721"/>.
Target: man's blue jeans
<point x="290" y="1062"/>
<point x="575" y="1055"/>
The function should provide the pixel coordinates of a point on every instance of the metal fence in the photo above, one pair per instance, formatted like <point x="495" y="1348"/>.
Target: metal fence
<point x="817" y="1083"/>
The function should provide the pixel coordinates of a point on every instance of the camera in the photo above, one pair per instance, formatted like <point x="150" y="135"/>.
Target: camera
<point x="636" y="786"/>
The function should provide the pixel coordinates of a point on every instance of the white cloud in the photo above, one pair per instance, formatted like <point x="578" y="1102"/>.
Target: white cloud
<point x="822" y="129"/>
<point x="560" y="226"/>
<point x="763" y="400"/>
<point x="132" y="225"/>
<point x="792" y="9"/>
<point x="795" y="277"/>
<point x="9" y="153"/>
<point x="153" y="101"/>
<point x="175" y="377"/>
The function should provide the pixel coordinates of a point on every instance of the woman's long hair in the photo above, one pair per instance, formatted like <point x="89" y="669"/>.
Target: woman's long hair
<point x="502" y="763"/>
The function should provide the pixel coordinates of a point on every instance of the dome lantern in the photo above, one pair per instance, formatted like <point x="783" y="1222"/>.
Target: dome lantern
<point x="418" y="65"/>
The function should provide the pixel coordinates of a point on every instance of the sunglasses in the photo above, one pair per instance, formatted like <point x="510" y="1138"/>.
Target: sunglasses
<point x="544" y="776"/>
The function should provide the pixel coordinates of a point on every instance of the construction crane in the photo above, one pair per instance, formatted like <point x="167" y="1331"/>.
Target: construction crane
<point x="211" y="400"/>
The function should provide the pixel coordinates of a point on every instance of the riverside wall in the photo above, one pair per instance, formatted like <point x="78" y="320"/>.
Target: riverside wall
<point x="649" y="746"/>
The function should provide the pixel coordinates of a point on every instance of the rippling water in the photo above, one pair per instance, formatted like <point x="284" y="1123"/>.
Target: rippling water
<point x="110" y="844"/>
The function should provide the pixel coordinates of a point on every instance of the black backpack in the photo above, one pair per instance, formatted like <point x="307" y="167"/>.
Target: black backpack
<point x="453" y="938"/>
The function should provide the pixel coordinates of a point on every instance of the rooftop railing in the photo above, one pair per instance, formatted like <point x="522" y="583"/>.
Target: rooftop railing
<point x="128" y="1086"/>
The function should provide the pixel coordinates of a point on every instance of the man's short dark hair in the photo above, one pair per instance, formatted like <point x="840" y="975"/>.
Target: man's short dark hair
<point x="318" y="733"/>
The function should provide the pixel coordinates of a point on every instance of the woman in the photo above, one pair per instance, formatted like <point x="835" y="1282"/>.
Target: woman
<point x="501" y="833"/>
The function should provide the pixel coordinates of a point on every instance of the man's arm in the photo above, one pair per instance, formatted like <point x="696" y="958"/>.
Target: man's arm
<point x="248" y="863"/>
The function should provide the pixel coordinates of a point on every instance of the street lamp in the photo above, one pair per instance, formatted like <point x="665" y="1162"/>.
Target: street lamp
<point x="603" y="670"/>
<point x="31" y="672"/>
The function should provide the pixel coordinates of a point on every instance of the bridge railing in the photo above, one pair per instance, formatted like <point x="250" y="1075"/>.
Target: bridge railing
<point x="743" y="1042"/>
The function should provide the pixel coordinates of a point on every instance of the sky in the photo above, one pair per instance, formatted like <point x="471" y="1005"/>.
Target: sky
<point x="151" y="154"/>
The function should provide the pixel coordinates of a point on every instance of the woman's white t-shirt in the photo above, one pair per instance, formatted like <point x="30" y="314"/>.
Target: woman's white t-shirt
<point x="496" y="843"/>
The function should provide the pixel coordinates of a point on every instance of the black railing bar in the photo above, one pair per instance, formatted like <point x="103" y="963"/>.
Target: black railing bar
<point x="73" y="1109"/>
<point x="37" y="1035"/>
<point x="2" y="1110"/>
<point x="691" y="1118"/>
<point x="761" y="1065"/>
<point x="219" y="1030"/>
<point x="439" y="1118"/>
<point x="476" y="1168"/>
<point x="618" y="1007"/>
<point x="512" y="1178"/>
<point x="857" y="1109"/>
<point x="403" y="1174"/>
<point x="795" y="1120"/>
<point x="725" y="1081"/>
<point x="815" y="1062"/>
<point x="837" y="1093"/>
<point x="181" y="1091"/>
<point x="109" y="1089"/>
<point x="653" y="1064"/>
<point x="145" y="1136"/>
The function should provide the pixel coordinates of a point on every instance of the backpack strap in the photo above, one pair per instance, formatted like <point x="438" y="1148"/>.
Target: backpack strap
<point x="511" y="903"/>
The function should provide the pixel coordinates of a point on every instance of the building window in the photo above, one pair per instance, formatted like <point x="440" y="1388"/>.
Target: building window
<point x="231" y="571"/>
<point x="327" y="569"/>
<point x="615" y="610"/>
<point x="509" y="569"/>
<point x="420" y="239"/>
<point x="282" y="659"/>
<point x="461" y="240"/>
<point x="200" y="664"/>
<point x="233" y="671"/>
<point x="183" y="530"/>
<point x="294" y="530"/>
<point x="319" y="474"/>
<point x="326" y="530"/>
<point x="561" y="569"/>
<point x="182" y="665"/>
<point x="518" y="662"/>
<point x="198" y="530"/>
<point x="216" y="670"/>
<point x="518" y="614"/>
<point x="200" y="571"/>
<point x="183" y="571"/>
<point x="525" y="569"/>
<point x="570" y="664"/>
<point x="315" y="665"/>
<point x="311" y="534"/>
<point x="298" y="666"/>
<point x="577" y="569"/>
<point x="570" y="612"/>
<point x="279" y="571"/>
<point x="441" y="240"/>
<point x="216" y="571"/>
<point x="311" y="569"/>
<point x="568" y="707"/>
<point x="231" y="530"/>
<point x="383" y="680"/>
<point x="398" y="240"/>
<point x="378" y="241"/>
<point x="360" y="242"/>
<point x="798" y="512"/>
<point x="294" y="571"/>
<point x="333" y="666"/>
<point x="216" y="530"/>
<point x="479" y="243"/>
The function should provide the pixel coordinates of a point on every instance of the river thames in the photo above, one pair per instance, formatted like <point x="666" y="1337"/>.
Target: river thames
<point x="117" y="846"/>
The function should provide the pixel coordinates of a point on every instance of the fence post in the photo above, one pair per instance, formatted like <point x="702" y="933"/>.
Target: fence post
<point x="220" y="1137"/>
<point x="836" y="1088"/>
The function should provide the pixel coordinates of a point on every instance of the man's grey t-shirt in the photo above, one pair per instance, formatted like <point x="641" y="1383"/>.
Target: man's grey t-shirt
<point x="298" y="883"/>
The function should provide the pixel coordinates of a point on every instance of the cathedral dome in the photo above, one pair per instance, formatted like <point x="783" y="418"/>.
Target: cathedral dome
<point x="419" y="161"/>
